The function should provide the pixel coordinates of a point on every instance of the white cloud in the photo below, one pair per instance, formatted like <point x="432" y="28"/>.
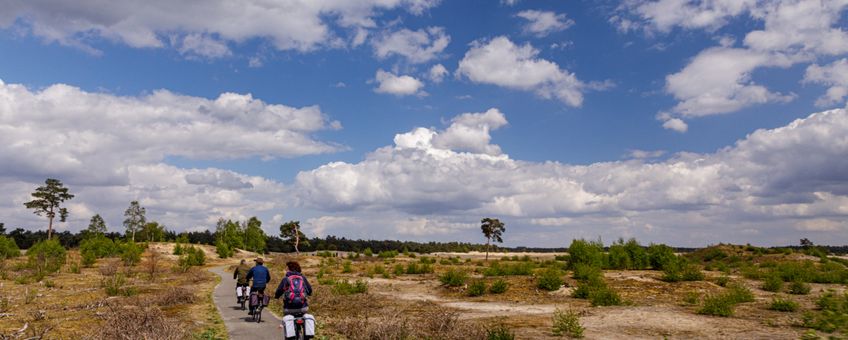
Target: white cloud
<point x="645" y="154"/>
<point x="203" y="46"/>
<point x="664" y="15"/>
<point x="834" y="75"/>
<point x="509" y="2"/>
<point x="676" y="124"/>
<point x="437" y="73"/>
<point x="503" y="63"/>
<point x="767" y="182"/>
<point x="398" y="85"/>
<point x="95" y="136"/>
<point x="543" y="23"/>
<point x="416" y="46"/>
<point x="287" y="24"/>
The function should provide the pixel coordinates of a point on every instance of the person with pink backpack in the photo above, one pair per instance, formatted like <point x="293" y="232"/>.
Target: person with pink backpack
<point x="294" y="289"/>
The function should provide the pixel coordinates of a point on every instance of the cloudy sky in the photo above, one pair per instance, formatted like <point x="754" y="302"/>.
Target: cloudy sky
<point x="684" y="122"/>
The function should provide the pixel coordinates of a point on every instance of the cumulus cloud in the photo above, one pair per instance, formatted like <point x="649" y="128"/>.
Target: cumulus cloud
<point x="835" y="76"/>
<point x="416" y="46"/>
<point x="204" y="46"/>
<point x="288" y="25"/>
<point x="403" y="85"/>
<point x="718" y="80"/>
<point x="95" y="136"/>
<point x="501" y="62"/>
<point x="771" y="181"/>
<point x="437" y="73"/>
<point x="543" y="23"/>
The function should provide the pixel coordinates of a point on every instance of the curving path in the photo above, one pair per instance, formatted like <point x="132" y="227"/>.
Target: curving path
<point x="239" y="324"/>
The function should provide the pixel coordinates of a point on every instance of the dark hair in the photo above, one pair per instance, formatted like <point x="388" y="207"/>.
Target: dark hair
<point x="293" y="266"/>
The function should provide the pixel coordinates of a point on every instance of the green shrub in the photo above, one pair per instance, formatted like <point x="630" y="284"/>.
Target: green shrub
<point x="772" y="283"/>
<point x="221" y="248"/>
<point x="567" y="323"/>
<point x="673" y="271"/>
<point x="46" y="257"/>
<point x="192" y="257"/>
<point x="692" y="272"/>
<point x="453" y="278"/>
<point x="8" y="248"/>
<point x="476" y="288"/>
<point x="660" y="255"/>
<point x="799" y="288"/>
<point x="739" y="294"/>
<point x="388" y="254"/>
<point x="499" y="332"/>
<point x="723" y="280"/>
<point x="95" y="248"/>
<point x="783" y="305"/>
<point x="498" y="287"/>
<point x="115" y="285"/>
<point x="691" y="298"/>
<point x="604" y="296"/>
<point x="832" y="315"/>
<point x="130" y="253"/>
<point x="347" y="288"/>
<point x="550" y="279"/>
<point x="347" y="267"/>
<point x="718" y="305"/>
<point x="586" y="252"/>
<point x="399" y="270"/>
<point x="414" y="268"/>
<point x="618" y="258"/>
<point x="585" y="288"/>
<point x="368" y="252"/>
<point x="586" y="272"/>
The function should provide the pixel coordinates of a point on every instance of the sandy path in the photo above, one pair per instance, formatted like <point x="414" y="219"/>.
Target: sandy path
<point x="239" y="325"/>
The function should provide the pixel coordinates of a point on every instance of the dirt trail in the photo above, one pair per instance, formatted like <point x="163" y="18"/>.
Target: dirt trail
<point x="237" y="321"/>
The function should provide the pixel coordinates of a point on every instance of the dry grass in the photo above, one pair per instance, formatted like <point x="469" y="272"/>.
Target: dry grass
<point x="138" y="323"/>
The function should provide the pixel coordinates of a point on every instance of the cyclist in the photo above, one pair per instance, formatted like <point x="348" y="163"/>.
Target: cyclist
<point x="294" y="288"/>
<point x="261" y="276"/>
<point x="240" y="275"/>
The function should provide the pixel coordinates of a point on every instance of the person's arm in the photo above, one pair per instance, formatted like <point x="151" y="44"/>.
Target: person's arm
<point x="281" y="288"/>
<point x="267" y="276"/>
<point x="308" y="287"/>
<point x="249" y="275"/>
<point x="235" y="273"/>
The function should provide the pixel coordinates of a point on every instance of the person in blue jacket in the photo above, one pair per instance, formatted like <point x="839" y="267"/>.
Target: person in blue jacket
<point x="260" y="276"/>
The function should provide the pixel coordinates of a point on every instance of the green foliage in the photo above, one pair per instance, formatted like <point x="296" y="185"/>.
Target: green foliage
<point x="783" y="305"/>
<point x="414" y="268"/>
<point x="346" y="288"/>
<point x="498" y="287"/>
<point x="368" y="252"/>
<point x="604" y="296"/>
<point x="398" y="269"/>
<point x="46" y="257"/>
<point x="230" y="233"/>
<point x="691" y="298"/>
<point x="8" y="248"/>
<point x="347" y="267"/>
<point x="499" y="332"/>
<point x="723" y="280"/>
<point x="388" y="254"/>
<point x="191" y="257"/>
<point x="221" y="248"/>
<point x="550" y="279"/>
<point x="151" y="232"/>
<point x="96" y="227"/>
<point x="739" y="294"/>
<point x="509" y="269"/>
<point x="630" y="255"/>
<point x="586" y="272"/>
<point x="95" y="248"/>
<point x="692" y="272"/>
<point x="291" y="233"/>
<point x="832" y="314"/>
<point x="47" y="200"/>
<point x="586" y="252"/>
<point x="680" y="270"/>
<point x="567" y="323"/>
<point x="618" y="258"/>
<point x="182" y="240"/>
<point x="453" y="278"/>
<point x="799" y="288"/>
<point x="476" y="288"/>
<point x="130" y="252"/>
<point x="772" y="283"/>
<point x="492" y="229"/>
<point x="135" y="219"/>
<point x="718" y="305"/>
<point x="116" y="285"/>
<point x="254" y="236"/>
<point x="660" y="255"/>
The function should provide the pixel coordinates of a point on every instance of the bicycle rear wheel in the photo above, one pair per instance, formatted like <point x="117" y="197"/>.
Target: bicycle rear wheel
<point x="258" y="314"/>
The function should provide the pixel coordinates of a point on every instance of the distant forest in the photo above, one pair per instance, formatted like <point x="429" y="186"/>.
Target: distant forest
<point x="26" y="238"/>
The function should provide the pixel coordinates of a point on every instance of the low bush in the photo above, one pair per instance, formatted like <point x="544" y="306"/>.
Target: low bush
<point x="221" y="248"/>
<point x="347" y="267"/>
<point x="498" y="287"/>
<point x="46" y="257"/>
<point x="414" y="268"/>
<point x="346" y="288"/>
<point x="772" y="283"/>
<point x="832" y="314"/>
<point x="691" y="298"/>
<point x="130" y="253"/>
<point x="95" y="248"/>
<point x="783" y="305"/>
<point x="660" y="255"/>
<point x="799" y="288"/>
<point x="739" y="294"/>
<point x="192" y="257"/>
<point x="499" y="332"/>
<point x="567" y="323"/>
<point x="723" y="280"/>
<point x="476" y="288"/>
<point x="550" y="279"/>
<point x="692" y="272"/>
<point x="604" y="296"/>
<point x="717" y="305"/>
<point x="586" y="272"/>
<point x="8" y="248"/>
<point x="388" y="254"/>
<point x="586" y="252"/>
<point x="453" y="278"/>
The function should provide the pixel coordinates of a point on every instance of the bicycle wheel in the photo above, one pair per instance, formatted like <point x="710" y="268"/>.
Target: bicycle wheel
<point x="242" y="303"/>
<point x="258" y="314"/>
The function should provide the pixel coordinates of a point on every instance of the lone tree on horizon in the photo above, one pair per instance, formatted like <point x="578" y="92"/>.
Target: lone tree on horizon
<point x="96" y="227"/>
<point x="492" y="228"/>
<point x="48" y="201"/>
<point x="290" y="231"/>
<point x="135" y="219"/>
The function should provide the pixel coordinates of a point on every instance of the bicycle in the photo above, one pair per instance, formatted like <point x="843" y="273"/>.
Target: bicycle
<point x="299" y="327"/>
<point x="257" y="311"/>
<point x="242" y="296"/>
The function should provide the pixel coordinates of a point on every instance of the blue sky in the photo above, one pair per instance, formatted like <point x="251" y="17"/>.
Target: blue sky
<point x="627" y="114"/>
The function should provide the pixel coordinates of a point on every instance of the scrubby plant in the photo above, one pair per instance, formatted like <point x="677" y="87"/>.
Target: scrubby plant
<point x="660" y="255"/>
<point x="691" y="298"/>
<point x="586" y="252"/>
<point x="399" y="269"/>
<point x="832" y="314"/>
<point x="739" y="294"/>
<point x="388" y="254"/>
<point x="346" y="288"/>
<point x="192" y="257"/>
<point x="717" y="305"/>
<point x="368" y="252"/>
<point x="453" y="278"/>
<point x="772" y="283"/>
<point x="586" y="272"/>
<point x="498" y="287"/>
<point x="499" y="332"/>
<point x="799" y="288"/>
<point x="221" y="248"/>
<point x="46" y="257"/>
<point x="97" y="247"/>
<point x="8" y="248"/>
<point x="723" y="280"/>
<point x="567" y="323"/>
<point x="347" y="267"/>
<point x="692" y="272"/>
<point x="414" y="268"/>
<point x="604" y="296"/>
<point x="130" y="253"/>
<point x="476" y="288"/>
<point x="783" y="305"/>
<point x="550" y="279"/>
